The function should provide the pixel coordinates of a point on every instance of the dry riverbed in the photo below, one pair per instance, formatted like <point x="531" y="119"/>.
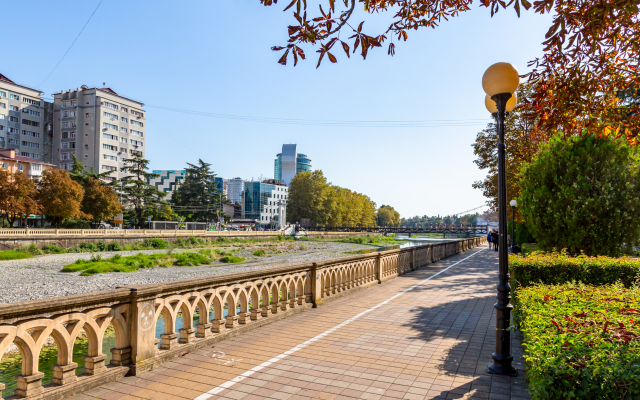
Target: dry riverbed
<point x="40" y="277"/>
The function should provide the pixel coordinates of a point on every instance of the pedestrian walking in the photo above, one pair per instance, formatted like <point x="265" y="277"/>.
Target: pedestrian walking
<point x="494" y="239"/>
<point x="489" y="239"/>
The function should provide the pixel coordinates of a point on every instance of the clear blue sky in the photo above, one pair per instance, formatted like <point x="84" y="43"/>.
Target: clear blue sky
<point x="214" y="56"/>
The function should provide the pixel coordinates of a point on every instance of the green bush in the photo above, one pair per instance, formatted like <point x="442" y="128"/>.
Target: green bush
<point x="582" y="194"/>
<point x="117" y="263"/>
<point x="231" y="259"/>
<point x="13" y="255"/>
<point x="53" y="249"/>
<point x="32" y="249"/>
<point x="191" y="259"/>
<point x="114" y="246"/>
<point x="260" y="253"/>
<point x="581" y="342"/>
<point x="155" y="243"/>
<point x="87" y="247"/>
<point x="559" y="268"/>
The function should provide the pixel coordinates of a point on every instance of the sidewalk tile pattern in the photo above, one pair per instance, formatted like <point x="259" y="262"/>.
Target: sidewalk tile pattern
<point x="433" y="342"/>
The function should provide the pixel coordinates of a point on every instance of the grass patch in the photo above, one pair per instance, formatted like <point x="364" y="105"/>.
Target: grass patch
<point x="231" y="259"/>
<point x="13" y="255"/>
<point x="260" y="253"/>
<point x="581" y="341"/>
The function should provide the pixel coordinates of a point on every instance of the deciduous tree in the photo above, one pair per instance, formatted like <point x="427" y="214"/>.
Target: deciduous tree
<point x="60" y="196"/>
<point x="591" y="52"/>
<point x="18" y="196"/>
<point x="100" y="202"/>
<point x="388" y="216"/>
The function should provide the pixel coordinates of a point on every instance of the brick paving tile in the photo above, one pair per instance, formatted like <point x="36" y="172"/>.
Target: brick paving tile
<point x="433" y="342"/>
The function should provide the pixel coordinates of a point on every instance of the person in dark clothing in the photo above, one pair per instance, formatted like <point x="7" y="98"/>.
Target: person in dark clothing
<point x="494" y="240"/>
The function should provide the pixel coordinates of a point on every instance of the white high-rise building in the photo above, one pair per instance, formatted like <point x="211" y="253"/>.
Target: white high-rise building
<point x="24" y="120"/>
<point x="99" y="126"/>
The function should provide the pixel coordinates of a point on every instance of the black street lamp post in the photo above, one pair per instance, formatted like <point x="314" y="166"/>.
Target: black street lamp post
<point x="514" y="204"/>
<point x="500" y="82"/>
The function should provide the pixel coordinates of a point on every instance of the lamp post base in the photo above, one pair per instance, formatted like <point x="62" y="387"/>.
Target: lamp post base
<point x="503" y="368"/>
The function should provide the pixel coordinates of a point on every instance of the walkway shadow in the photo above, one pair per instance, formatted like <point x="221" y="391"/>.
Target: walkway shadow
<point x="469" y="323"/>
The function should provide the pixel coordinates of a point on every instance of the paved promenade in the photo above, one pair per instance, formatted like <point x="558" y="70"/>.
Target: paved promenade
<point x="428" y="334"/>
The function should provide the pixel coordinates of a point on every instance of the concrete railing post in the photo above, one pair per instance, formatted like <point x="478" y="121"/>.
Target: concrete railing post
<point x="379" y="267"/>
<point x="142" y="345"/>
<point x="413" y="258"/>
<point x="316" y="286"/>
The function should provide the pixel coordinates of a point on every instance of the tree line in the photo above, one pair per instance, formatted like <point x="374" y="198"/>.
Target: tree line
<point x="324" y="204"/>
<point x="81" y="197"/>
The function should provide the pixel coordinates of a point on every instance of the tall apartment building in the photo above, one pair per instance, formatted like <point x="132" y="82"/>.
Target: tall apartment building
<point x="99" y="126"/>
<point x="23" y="120"/>
<point x="289" y="163"/>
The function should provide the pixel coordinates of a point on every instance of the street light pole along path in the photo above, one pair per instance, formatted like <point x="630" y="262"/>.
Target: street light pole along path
<point x="500" y="82"/>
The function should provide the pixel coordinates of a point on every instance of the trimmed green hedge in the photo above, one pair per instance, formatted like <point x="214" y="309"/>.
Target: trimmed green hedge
<point x="559" y="268"/>
<point x="581" y="342"/>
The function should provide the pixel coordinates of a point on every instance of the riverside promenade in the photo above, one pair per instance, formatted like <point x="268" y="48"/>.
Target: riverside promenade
<point x="427" y="334"/>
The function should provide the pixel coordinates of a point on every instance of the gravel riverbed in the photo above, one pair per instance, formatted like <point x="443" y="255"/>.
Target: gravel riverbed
<point x="40" y="277"/>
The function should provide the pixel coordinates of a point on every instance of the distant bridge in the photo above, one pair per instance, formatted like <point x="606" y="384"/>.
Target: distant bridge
<point x="440" y="230"/>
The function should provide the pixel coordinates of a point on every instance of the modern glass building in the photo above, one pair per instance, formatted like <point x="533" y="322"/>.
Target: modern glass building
<point x="167" y="181"/>
<point x="265" y="202"/>
<point x="289" y="163"/>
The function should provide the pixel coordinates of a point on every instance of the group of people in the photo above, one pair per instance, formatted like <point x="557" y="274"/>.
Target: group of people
<point x="493" y="239"/>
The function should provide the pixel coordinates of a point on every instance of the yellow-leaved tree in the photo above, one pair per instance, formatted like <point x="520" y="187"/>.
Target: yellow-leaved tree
<point x="60" y="196"/>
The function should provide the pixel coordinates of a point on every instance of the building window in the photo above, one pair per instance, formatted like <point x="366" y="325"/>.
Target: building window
<point x="110" y="105"/>
<point x="14" y="96"/>
<point x="136" y="152"/>
<point x="3" y="94"/>
<point x="86" y="146"/>
<point x="123" y="150"/>
<point x="30" y="133"/>
<point x="21" y="167"/>
<point x="108" y="136"/>
<point x="29" y="122"/>
<point x="109" y="168"/>
<point x="2" y="116"/>
<point x="108" y="157"/>
<point x="14" y="108"/>
<point x="14" y="130"/>
<point x="134" y="132"/>
<point x="123" y="130"/>
<point x="137" y="123"/>
<point x="109" y="115"/>
<point x="14" y="119"/>
<point x="31" y="112"/>
<point x="86" y="115"/>
<point x="110" y="126"/>
<point x="123" y="140"/>
<point x="1" y="127"/>
<point x="70" y="103"/>
<point x="136" y="142"/>
<point x="30" y="144"/>
<point x="69" y="124"/>
<point x="125" y="109"/>
<point x="125" y="119"/>
<point x="137" y="113"/>
<point x="3" y="105"/>
<point x="36" y="167"/>
<point x="31" y="101"/>
<point x="65" y="145"/>
<point x="68" y="114"/>
<point x="109" y="147"/>
<point x="65" y="156"/>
